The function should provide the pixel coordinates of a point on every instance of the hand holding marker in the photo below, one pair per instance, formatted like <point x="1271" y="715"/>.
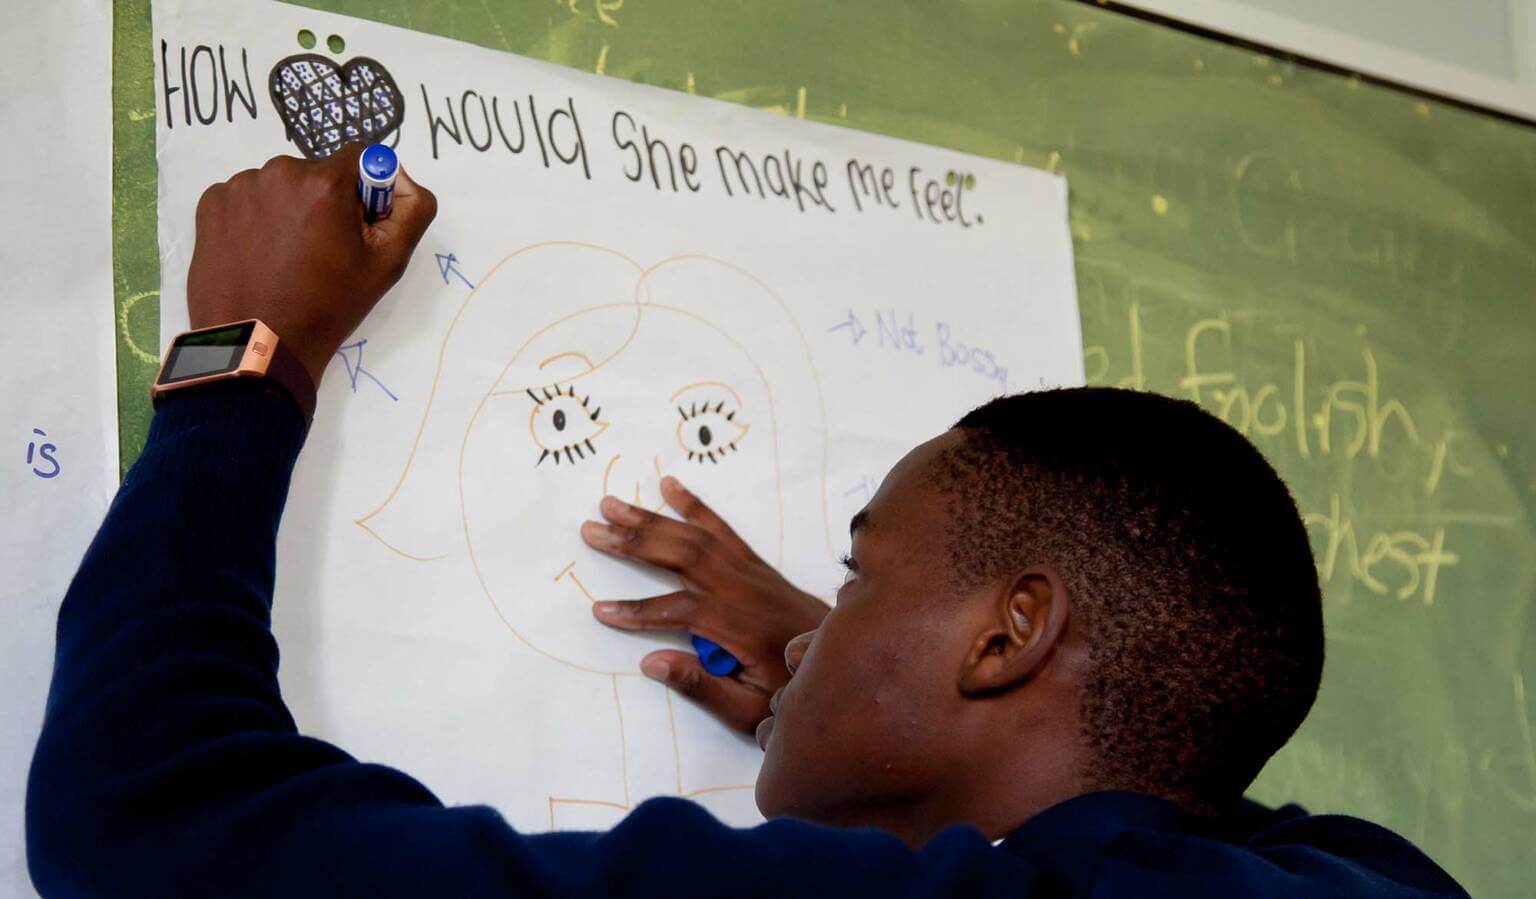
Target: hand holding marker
<point x="716" y="660"/>
<point x="376" y="170"/>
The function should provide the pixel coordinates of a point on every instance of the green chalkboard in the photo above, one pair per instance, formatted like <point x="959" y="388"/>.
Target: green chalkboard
<point x="1341" y="270"/>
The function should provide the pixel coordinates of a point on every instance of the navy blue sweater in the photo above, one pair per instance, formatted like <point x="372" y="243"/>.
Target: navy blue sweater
<point x="168" y="764"/>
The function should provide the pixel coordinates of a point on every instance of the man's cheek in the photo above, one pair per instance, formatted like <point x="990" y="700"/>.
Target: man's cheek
<point x="818" y="712"/>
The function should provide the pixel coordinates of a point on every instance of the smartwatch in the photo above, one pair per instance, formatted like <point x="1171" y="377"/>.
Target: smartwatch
<point x="240" y="352"/>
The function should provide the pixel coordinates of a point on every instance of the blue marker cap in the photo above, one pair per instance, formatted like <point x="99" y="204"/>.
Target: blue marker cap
<point x="376" y="171"/>
<point x="716" y="660"/>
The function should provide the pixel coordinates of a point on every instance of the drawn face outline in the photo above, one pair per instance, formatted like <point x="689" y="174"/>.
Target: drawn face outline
<point x="402" y="521"/>
<point x="493" y="573"/>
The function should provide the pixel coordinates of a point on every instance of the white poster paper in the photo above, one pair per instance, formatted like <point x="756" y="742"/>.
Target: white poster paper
<point x="57" y="374"/>
<point x="622" y="283"/>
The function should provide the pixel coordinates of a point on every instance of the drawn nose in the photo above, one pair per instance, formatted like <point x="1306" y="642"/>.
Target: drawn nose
<point x="634" y="481"/>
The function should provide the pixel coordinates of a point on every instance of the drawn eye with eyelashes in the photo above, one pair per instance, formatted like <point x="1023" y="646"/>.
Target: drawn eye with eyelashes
<point x="709" y="424"/>
<point x="563" y="422"/>
<point x="709" y="431"/>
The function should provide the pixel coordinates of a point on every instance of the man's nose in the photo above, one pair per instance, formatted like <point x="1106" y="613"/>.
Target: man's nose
<point x="794" y="650"/>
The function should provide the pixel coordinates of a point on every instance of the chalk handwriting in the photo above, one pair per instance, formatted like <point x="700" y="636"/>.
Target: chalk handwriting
<point x="1355" y="416"/>
<point x="1405" y="563"/>
<point x="601" y="8"/>
<point x="1343" y="418"/>
<point x="1337" y="403"/>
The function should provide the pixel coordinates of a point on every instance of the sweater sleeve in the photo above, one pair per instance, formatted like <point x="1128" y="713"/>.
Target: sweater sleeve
<point x="169" y="765"/>
<point x="1330" y="858"/>
<point x="1317" y="856"/>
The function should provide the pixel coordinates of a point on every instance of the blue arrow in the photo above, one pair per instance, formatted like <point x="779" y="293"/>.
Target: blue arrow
<point x="448" y="265"/>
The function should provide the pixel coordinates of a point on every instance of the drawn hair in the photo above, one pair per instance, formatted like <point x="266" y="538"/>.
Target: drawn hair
<point x="542" y="286"/>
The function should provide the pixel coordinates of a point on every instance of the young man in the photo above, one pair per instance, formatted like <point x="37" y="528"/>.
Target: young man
<point x="1078" y="623"/>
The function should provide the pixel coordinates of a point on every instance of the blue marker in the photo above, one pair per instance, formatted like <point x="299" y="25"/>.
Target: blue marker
<point x="716" y="660"/>
<point x="376" y="171"/>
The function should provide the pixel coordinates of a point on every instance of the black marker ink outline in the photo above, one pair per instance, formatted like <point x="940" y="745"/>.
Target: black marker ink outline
<point x="312" y="141"/>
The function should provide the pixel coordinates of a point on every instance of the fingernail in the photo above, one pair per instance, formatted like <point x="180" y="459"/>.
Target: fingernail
<point x="655" y="669"/>
<point x="616" y="508"/>
<point x="672" y="483"/>
<point x="605" y="609"/>
<point x="598" y="534"/>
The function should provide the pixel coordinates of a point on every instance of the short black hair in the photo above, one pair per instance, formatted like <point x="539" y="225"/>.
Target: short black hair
<point x="1188" y="567"/>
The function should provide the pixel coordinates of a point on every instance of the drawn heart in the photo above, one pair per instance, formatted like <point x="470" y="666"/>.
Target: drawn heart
<point x="323" y="107"/>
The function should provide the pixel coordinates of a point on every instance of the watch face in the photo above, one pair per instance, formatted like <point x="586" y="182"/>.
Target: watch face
<point x="205" y="353"/>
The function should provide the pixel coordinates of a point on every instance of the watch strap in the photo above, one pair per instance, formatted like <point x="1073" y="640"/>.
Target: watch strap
<point x="286" y="369"/>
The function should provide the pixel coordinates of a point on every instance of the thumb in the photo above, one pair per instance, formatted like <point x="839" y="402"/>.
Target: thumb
<point x="397" y="235"/>
<point x="739" y="706"/>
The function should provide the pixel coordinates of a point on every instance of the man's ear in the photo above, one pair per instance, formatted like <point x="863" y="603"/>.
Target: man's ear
<point x="1030" y="618"/>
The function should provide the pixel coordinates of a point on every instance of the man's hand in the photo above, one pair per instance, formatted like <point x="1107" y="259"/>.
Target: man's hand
<point x="287" y="243"/>
<point x="729" y="596"/>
